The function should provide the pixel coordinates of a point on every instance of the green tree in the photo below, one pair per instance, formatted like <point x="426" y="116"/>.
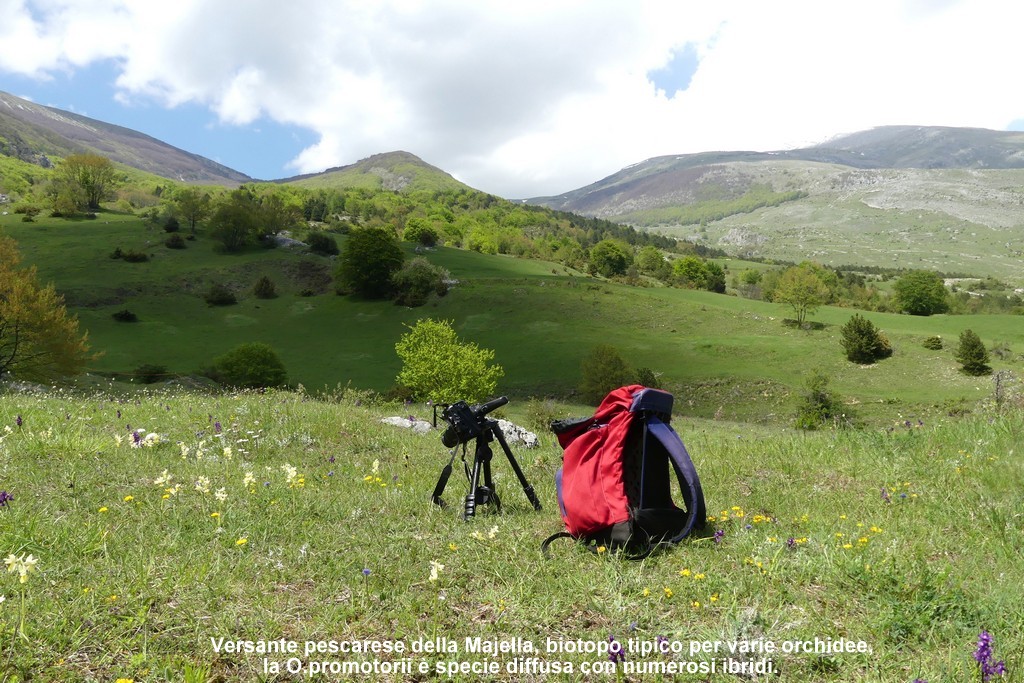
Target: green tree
<point x="90" y="178"/>
<point x="368" y="259"/>
<point x="601" y="371"/>
<point x="234" y="220"/>
<point x="921" y="292"/>
<point x="421" y="231"/>
<point x="38" y="340"/>
<point x="438" y="367"/>
<point x="650" y="260"/>
<point x="803" y="290"/>
<point x="863" y="342"/>
<point x="715" y="281"/>
<point x="972" y="354"/>
<point x="417" y="280"/>
<point x="250" y="366"/>
<point x="691" y="272"/>
<point x="610" y="257"/>
<point x="192" y="205"/>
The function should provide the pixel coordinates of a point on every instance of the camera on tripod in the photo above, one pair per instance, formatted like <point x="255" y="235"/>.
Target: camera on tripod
<point x="464" y="420"/>
<point x="467" y="423"/>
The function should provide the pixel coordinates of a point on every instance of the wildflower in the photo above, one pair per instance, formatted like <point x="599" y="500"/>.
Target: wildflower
<point x="125" y="680"/>
<point x="435" y="569"/>
<point x="647" y="592"/>
<point x="221" y="494"/>
<point x="215" y="515"/>
<point x="23" y="565"/>
<point x="668" y="592"/>
<point x="366" y="572"/>
<point x="719" y="535"/>
<point x="103" y="509"/>
<point x="714" y="598"/>
<point x="695" y="604"/>
<point x="227" y="452"/>
<point x="18" y="421"/>
<point x="376" y="467"/>
<point x="241" y="541"/>
<point x="164" y="479"/>
<point x="216" y="428"/>
<point x="616" y="653"/>
<point x="983" y="656"/>
<point x="203" y="484"/>
<point x="249" y="480"/>
<point x="684" y="572"/>
<point x="493" y="532"/>
<point x="129" y="499"/>
<point x="885" y="495"/>
<point x="452" y="547"/>
<point x="5" y="498"/>
<point x="601" y="549"/>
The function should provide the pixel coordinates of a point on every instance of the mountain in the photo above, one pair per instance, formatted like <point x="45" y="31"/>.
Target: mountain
<point x="396" y="171"/>
<point x="895" y="196"/>
<point x="32" y="132"/>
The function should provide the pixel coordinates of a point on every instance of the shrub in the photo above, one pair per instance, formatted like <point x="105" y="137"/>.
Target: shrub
<point x="322" y="243"/>
<point x="135" y="256"/>
<point x="648" y="378"/>
<point x="220" y="295"/>
<point x="150" y="374"/>
<point x="921" y="292"/>
<point x="417" y="280"/>
<point x="125" y="316"/>
<point x="420" y="231"/>
<point x="264" y="288"/>
<point x="863" y="342"/>
<point x="933" y="343"/>
<point x="819" y="405"/>
<point x="172" y="225"/>
<point x="250" y="366"/>
<point x="117" y="253"/>
<point x="972" y="354"/>
<point x="437" y="366"/>
<point x="175" y="241"/>
<point x="603" y="370"/>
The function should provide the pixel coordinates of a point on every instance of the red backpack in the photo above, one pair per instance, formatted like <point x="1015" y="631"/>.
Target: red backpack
<point x="614" y="487"/>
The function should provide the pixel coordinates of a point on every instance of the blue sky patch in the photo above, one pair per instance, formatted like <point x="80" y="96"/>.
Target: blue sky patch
<point x="675" y="76"/>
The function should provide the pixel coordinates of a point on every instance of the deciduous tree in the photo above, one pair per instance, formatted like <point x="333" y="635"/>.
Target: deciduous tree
<point x="921" y="292"/>
<point x="38" y="340"/>
<point x="368" y="259"/>
<point x="89" y="177"/>
<point x="803" y="290"/>
<point x="438" y="367"/>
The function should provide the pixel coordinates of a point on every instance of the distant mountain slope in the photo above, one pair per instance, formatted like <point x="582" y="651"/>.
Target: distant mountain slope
<point x="949" y="199"/>
<point x="33" y="133"/>
<point x="397" y="171"/>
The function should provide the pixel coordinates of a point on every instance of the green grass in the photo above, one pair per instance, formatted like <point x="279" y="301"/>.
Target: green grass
<point x="133" y="581"/>
<point x="722" y="355"/>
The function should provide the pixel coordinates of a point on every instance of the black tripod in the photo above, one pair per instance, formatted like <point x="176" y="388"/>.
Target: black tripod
<point x="482" y="495"/>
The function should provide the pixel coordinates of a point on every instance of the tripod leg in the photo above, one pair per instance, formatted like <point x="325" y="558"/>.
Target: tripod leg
<point x="474" y="481"/>
<point x="527" y="489"/>
<point x="489" y="485"/>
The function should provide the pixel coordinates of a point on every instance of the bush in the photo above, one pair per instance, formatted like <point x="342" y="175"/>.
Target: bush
<point x="150" y="374"/>
<point x="264" y="288"/>
<point x="438" y="367"/>
<point x="648" y="378"/>
<point x="322" y="243"/>
<point x="933" y="343"/>
<point x="602" y="371"/>
<point x="420" y="231"/>
<point x="175" y="241"/>
<point x="417" y="280"/>
<point x="134" y="256"/>
<point x="250" y="366"/>
<point x="117" y="253"/>
<point x="220" y="295"/>
<point x="819" y="405"/>
<point x="972" y="354"/>
<point x="172" y="225"/>
<point x="863" y="342"/>
<point x="125" y="316"/>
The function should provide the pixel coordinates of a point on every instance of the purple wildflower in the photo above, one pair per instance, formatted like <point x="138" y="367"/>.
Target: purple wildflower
<point x="331" y="459"/>
<point x="791" y="542"/>
<point x="118" y="413"/>
<point x="885" y="495"/>
<point x="616" y="653"/>
<point x="18" y="421"/>
<point x="366" y="572"/>
<point x="983" y="656"/>
<point x="137" y="438"/>
<point x="5" y="498"/>
<point x="719" y="535"/>
<point x="216" y="427"/>
<point x="662" y="643"/>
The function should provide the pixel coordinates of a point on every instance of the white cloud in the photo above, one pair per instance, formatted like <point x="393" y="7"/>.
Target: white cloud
<point x="540" y="96"/>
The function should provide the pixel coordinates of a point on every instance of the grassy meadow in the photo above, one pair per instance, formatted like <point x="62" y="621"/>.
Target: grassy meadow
<point x="160" y="521"/>
<point x="722" y="356"/>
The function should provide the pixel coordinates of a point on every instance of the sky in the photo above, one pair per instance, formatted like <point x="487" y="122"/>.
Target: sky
<point x="520" y="99"/>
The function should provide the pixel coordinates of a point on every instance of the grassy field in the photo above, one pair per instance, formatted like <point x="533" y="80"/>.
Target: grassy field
<point x="723" y="356"/>
<point x="281" y="518"/>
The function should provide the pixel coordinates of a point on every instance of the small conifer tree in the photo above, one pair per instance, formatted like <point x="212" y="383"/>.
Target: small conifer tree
<point x="972" y="354"/>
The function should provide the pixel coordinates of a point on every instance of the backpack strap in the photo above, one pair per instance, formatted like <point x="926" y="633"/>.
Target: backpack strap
<point x="689" y="482"/>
